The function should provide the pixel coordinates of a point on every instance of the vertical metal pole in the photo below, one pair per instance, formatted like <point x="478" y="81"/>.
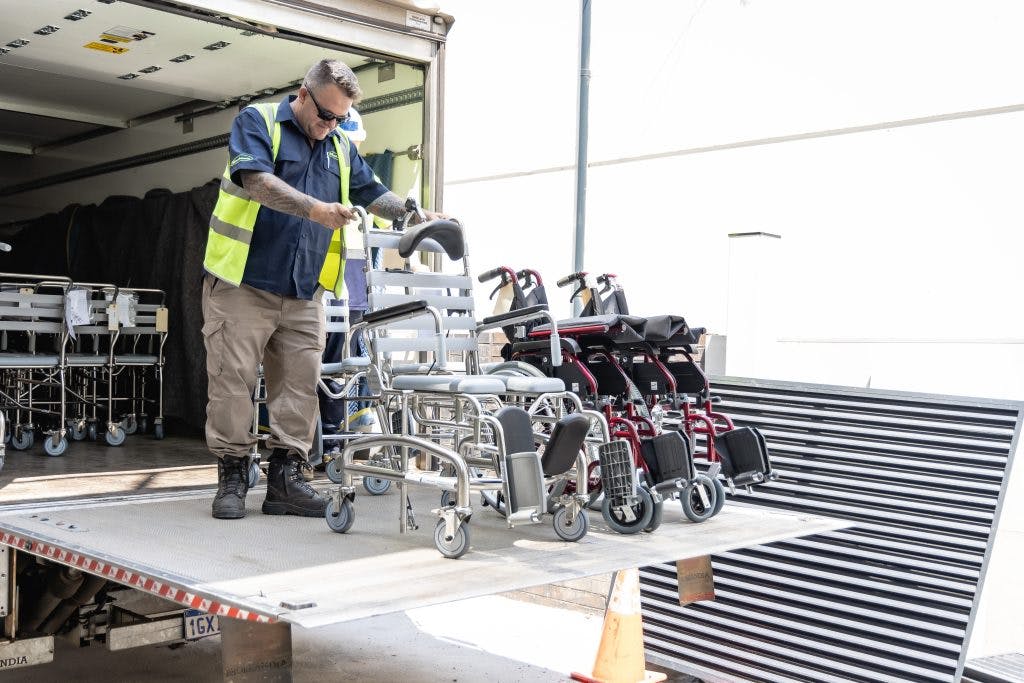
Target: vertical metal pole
<point x="582" y="131"/>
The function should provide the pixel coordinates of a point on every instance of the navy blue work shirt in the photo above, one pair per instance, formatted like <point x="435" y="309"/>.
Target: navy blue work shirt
<point x="287" y="252"/>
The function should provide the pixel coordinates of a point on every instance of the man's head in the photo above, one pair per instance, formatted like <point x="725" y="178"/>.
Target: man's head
<point x="328" y="91"/>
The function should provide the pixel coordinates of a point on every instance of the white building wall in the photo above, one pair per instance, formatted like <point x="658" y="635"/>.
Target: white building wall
<point x="881" y="140"/>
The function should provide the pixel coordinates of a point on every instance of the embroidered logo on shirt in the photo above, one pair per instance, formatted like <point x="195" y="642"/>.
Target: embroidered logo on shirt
<point x="242" y="157"/>
<point x="332" y="154"/>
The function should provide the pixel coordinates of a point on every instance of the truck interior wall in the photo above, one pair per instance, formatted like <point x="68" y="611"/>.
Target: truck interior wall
<point x="146" y="226"/>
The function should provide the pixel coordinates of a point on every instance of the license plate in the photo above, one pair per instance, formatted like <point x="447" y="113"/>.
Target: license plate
<point x="199" y="624"/>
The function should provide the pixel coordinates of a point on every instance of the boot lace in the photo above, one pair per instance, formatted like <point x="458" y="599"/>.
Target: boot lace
<point x="295" y="476"/>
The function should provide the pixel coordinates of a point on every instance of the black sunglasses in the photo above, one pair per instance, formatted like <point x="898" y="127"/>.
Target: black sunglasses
<point x="322" y="113"/>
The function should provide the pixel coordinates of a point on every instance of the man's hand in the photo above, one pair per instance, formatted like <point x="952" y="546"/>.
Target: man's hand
<point x="331" y="215"/>
<point x="430" y="216"/>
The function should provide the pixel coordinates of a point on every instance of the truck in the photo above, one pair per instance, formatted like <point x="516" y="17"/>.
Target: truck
<point x="133" y="98"/>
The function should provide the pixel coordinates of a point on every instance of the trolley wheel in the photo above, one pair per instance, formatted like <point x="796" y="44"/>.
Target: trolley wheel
<point x="143" y="424"/>
<point x="114" y="438"/>
<point x="340" y="521"/>
<point x="91" y="431"/>
<point x="253" y="473"/>
<point x="720" y="493"/>
<point x="447" y="499"/>
<point x="695" y="509"/>
<point x="131" y="425"/>
<point x="55" y="449"/>
<point x="76" y="430"/>
<point x="656" y="517"/>
<point x="334" y="470"/>
<point x="573" y="531"/>
<point x="375" y="486"/>
<point x="454" y="547"/>
<point x="158" y="431"/>
<point x="23" y="440"/>
<point x="643" y="510"/>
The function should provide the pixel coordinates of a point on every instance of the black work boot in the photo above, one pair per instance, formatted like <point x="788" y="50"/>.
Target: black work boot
<point x="232" y="485"/>
<point x="287" y="490"/>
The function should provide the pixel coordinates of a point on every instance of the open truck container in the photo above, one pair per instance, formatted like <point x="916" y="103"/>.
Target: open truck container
<point x="104" y="97"/>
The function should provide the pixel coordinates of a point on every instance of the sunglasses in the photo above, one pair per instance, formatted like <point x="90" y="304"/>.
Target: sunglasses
<point x="323" y="114"/>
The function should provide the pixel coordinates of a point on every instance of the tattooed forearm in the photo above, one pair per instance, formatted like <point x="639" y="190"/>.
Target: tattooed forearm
<point x="271" y="191"/>
<point x="389" y="205"/>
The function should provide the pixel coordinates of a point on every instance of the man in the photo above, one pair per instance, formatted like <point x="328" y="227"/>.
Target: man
<point x="291" y="179"/>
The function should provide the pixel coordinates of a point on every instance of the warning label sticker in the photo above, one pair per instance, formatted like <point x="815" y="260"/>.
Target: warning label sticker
<point x="103" y="47"/>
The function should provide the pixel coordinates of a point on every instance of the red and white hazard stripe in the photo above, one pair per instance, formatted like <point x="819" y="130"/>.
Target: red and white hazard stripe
<point x="133" y="579"/>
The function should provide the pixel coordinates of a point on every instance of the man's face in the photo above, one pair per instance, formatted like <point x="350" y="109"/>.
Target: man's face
<point x="332" y="102"/>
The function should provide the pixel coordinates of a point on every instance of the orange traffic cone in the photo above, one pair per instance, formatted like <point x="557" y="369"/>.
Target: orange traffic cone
<point x="620" y="656"/>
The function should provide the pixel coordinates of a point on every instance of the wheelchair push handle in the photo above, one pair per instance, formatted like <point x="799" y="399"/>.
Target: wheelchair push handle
<point x="506" y="274"/>
<point x="569" y="279"/>
<point x="530" y="277"/>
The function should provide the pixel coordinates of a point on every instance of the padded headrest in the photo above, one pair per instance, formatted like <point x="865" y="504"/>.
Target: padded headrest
<point x="445" y="232"/>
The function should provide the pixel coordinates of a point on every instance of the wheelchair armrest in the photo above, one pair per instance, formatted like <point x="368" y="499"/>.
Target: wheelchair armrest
<point x="397" y="311"/>
<point x="524" y="313"/>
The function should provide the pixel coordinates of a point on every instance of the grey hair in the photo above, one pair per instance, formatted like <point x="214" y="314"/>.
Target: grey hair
<point x="331" y="71"/>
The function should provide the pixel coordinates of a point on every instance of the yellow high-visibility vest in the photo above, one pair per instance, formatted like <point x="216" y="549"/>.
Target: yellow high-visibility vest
<point x="234" y="216"/>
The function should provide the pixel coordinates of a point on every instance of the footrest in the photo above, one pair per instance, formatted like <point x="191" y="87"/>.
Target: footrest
<point x="668" y="457"/>
<point x="618" y="474"/>
<point x="744" y="456"/>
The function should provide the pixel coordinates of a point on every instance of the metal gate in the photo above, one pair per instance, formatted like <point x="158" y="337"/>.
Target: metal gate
<point x="893" y="598"/>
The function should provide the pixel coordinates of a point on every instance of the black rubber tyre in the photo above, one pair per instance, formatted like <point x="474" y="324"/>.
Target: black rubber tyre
<point x="644" y="511"/>
<point x="656" y="517"/>
<point x="720" y="492"/>
<point x="693" y="507"/>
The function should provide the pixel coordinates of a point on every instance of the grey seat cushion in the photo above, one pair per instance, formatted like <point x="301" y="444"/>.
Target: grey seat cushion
<point x="472" y="384"/>
<point x="135" y="359"/>
<point x="27" y="360"/>
<point x="353" y="364"/>
<point x="86" y="360"/>
<point x="533" y="385"/>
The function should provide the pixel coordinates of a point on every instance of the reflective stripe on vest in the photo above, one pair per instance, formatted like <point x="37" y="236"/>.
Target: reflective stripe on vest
<point x="234" y="216"/>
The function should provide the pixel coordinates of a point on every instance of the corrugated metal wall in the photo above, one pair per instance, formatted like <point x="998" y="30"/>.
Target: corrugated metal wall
<point x="891" y="599"/>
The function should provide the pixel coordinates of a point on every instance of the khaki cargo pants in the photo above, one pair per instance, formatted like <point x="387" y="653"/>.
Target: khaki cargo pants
<point x="242" y="328"/>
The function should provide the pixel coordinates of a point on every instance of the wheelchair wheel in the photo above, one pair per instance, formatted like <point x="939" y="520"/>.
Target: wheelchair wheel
<point x="656" y="517"/>
<point x="452" y="547"/>
<point x="340" y="521"/>
<point x="253" y="473"/>
<point x="375" y="486"/>
<point x="643" y="511"/>
<point x="720" y="493"/>
<point x="570" y="531"/>
<point x="334" y="471"/>
<point x="695" y="509"/>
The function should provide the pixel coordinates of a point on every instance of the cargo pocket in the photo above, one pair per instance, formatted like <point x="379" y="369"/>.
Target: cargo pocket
<point x="213" y="339"/>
